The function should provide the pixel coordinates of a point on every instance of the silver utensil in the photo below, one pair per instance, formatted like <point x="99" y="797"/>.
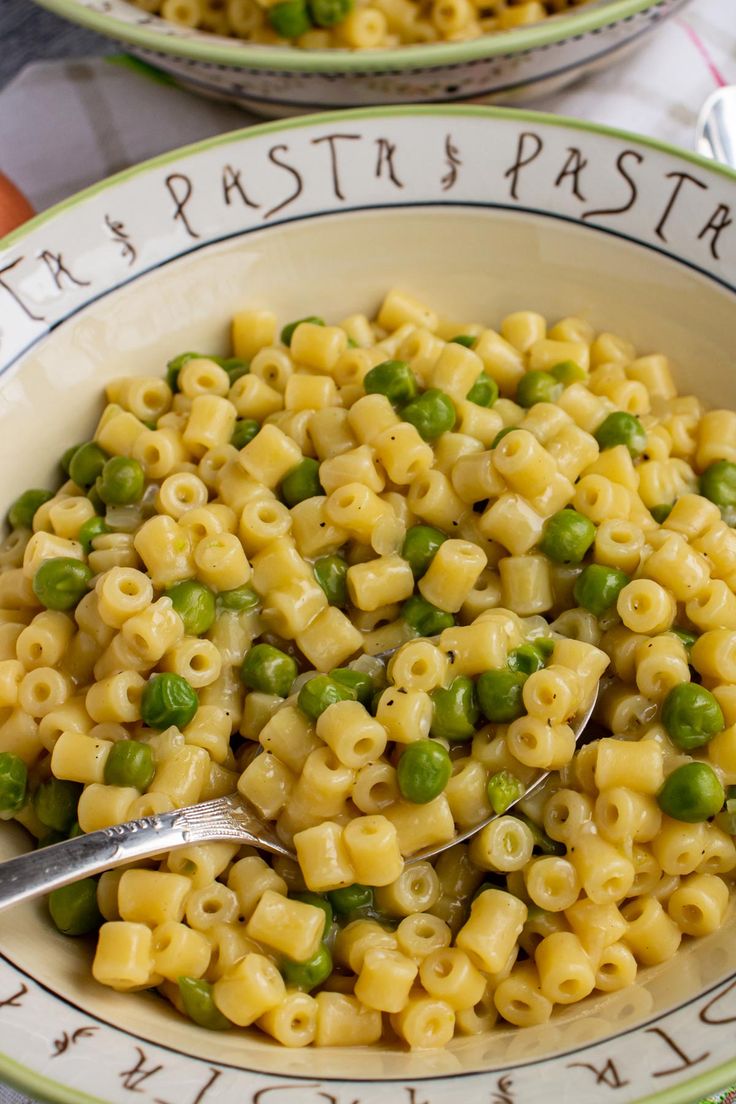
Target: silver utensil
<point x="226" y="818"/>
<point x="715" y="132"/>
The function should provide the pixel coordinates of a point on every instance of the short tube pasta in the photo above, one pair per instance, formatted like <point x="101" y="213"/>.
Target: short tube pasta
<point x="366" y="582"/>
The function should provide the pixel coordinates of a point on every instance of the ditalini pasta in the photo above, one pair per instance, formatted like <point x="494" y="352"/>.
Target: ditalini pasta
<point x="355" y="24"/>
<point x="367" y="574"/>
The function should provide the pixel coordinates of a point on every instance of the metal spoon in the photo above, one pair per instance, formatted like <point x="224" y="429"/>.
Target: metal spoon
<point x="226" y="818"/>
<point x="715" y="132"/>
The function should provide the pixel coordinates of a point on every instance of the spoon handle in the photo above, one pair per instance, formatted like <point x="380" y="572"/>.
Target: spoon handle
<point x="716" y="127"/>
<point x="59" y="864"/>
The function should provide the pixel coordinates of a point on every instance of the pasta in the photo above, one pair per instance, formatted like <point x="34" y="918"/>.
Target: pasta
<point x="362" y="25"/>
<point x="367" y="575"/>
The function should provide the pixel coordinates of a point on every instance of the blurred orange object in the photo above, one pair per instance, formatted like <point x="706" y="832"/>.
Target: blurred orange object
<point x="14" y="207"/>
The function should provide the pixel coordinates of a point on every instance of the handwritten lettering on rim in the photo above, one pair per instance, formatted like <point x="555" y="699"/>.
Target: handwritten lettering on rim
<point x="155" y="1077"/>
<point x="670" y="1055"/>
<point x="559" y="170"/>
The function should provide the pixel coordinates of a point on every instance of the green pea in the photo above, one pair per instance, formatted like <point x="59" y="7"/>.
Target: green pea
<point x="308" y="975"/>
<point x="234" y="366"/>
<point x="302" y="482"/>
<point x="91" y="529"/>
<point x="75" y="830"/>
<point x="351" y="898"/>
<point x="13" y="782"/>
<point x="484" y="391"/>
<point x="662" y="512"/>
<point x="175" y="365"/>
<point x="420" y="544"/>
<point x="499" y="695"/>
<point x="240" y="599"/>
<point x="66" y="458"/>
<point x="392" y="378"/>
<point x="620" y="428"/>
<point x="360" y="684"/>
<point x="526" y="659"/>
<point x="504" y="790"/>
<point x="501" y="434"/>
<point x="319" y="901"/>
<point x="567" y="536"/>
<point x="288" y="331"/>
<point x="98" y="504"/>
<point x="691" y="793"/>
<point x="455" y="710"/>
<point x="567" y="372"/>
<point x="74" y="908"/>
<point x="319" y="693"/>
<point x="61" y="582"/>
<point x="167" y="700"/>
<point x="55" y="803"/>
<point x="542" y="842"/>
<point x="688" y="638"/>
<point x="130" y="763"/>
<point x="327" y="13"/>
<point x="195" y="603"/>
<point x="597" y="587"/>
<point x="375" y="700"/>
<point x="199" y="1004"/>
<point x="290" y="19"/>
<point x="718" y="483"/>
<point x="245" y="428"/>
<point x="424" y="618"/>
<point x="535" y="387"/>
<point x="23" y="510"/>
<point x="86" y="464"/>
<point x="691" y="715"/>
<point x="424" y="770"/>
<point x="468" y="340"/>
<point x="545" y="645"/>
<point x="331" y="572"/>
<point x="269" y="670"/>
<point x="122" y="481"/>
<point x="432" y="414"/>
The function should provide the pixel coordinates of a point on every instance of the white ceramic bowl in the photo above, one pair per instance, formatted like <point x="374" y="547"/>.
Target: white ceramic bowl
<point x="157" y="259"/>
<point x="275" y="81"/>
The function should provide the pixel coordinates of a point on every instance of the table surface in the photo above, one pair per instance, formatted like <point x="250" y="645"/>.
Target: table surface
<point x="30" y="33"/>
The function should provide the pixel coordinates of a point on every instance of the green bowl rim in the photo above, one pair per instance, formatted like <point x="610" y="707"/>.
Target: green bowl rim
<point x="34" y="1082"/>
<point x="209" y="49"/>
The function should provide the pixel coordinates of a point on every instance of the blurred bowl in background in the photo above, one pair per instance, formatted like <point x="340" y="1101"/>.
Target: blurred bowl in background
<point x="273" y="81"/>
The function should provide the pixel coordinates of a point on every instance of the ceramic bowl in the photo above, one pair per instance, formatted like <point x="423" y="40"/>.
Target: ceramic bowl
<point x="479" y="212"/>
<point x="276" y="81"/>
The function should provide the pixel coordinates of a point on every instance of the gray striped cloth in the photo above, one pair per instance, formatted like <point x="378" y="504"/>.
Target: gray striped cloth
<point x="10" y="1096"/>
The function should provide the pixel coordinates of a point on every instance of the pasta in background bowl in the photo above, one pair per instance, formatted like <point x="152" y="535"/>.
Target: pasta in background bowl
<point x="357" y="53"/>
<point x="159" y="261"/>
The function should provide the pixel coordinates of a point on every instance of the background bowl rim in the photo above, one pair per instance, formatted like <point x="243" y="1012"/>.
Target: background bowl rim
<point x="208" y="48"/>
<point x="489" y="111"/>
